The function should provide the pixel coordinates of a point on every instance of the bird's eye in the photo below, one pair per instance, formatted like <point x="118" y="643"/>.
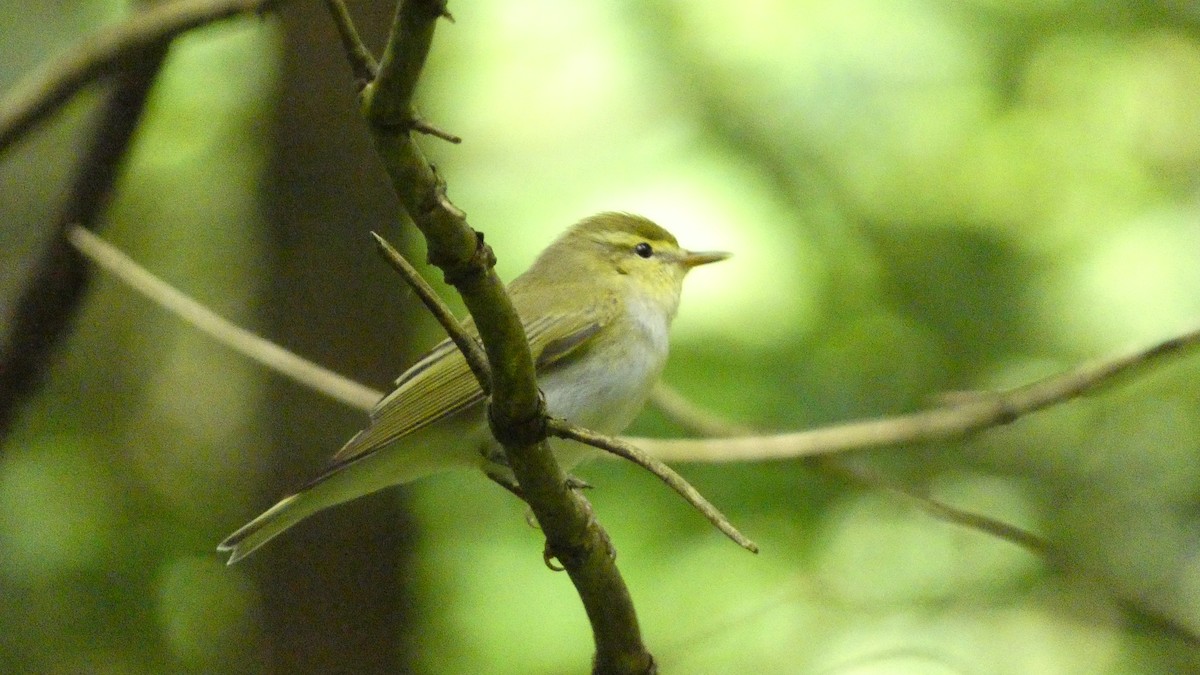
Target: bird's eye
<point x="644" y="250"/>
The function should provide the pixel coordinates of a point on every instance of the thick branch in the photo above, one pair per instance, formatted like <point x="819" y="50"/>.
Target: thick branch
<point x="974" y="413"/>
<point x="516" y="410"/>
<point x="44" y="91"/>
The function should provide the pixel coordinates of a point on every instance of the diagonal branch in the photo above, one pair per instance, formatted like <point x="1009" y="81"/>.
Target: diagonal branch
<point x="936" y="508"/>
<point x="255" y="347"/>
<point x="972" y="414"/>
<point x="689" y="415"/>
<point x="46" y="90"/>
<point x="468" y="345"/>
<point x="361" y="61"/>
<point x="692" y="417"/>
<point x="516" y="410"/>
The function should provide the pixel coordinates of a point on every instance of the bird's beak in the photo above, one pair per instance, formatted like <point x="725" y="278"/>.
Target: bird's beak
<point x="697" y="258"/>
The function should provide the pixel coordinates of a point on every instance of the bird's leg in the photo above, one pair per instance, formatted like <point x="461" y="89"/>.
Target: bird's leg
<point x="499" y="472"/>
<point x="553" y="558"/>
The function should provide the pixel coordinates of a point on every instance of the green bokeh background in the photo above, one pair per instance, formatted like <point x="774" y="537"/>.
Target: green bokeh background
<point x="923" y="197"/>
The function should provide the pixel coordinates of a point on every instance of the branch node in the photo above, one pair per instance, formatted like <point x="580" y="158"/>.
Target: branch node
<point x="520" y="432"/>
<point x="575" y="552"/>
<point x="438" y="199"/>
<point x="459" y="272"/>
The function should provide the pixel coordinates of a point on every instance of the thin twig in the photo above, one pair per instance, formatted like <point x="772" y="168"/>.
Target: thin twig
<point x="953" y="421"/>
<point x="692" y="417"/>
<point x="206" y="321"/>
<point x="361" y="61"/>
<point x="698" y="420"/>
<point x="1036" y="544"/>
<point x="47" y="89"/>
<point x="564" y="429"/>
<point x="467" y="344"/>
<point x="427" y="128"/>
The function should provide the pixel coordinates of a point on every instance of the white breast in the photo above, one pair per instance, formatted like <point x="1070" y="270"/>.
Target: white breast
<point x="607" y="389"/>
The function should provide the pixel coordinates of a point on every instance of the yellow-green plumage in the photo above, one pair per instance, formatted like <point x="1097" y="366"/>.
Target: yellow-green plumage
<point x="596" y="306"/>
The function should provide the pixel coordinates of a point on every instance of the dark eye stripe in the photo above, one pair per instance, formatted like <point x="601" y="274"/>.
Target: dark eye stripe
<point x="644" y="250"/>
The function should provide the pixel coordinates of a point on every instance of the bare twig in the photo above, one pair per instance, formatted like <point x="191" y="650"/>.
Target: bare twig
<point x="467" y="344"/>
<point x="940" y="510"/>
<point x="564" y="429"/>
<point x="692" y="417"/>
<point x="954" y="421"/>
<point x="44" y="91"/>
<point x="423" y="127"/>
<point x="206" y="321"/>
<point x="698" y="420"/>
<point x="361" y="61"/>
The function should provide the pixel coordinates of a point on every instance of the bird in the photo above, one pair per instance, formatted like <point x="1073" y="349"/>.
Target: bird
<point x="596" y="306"/>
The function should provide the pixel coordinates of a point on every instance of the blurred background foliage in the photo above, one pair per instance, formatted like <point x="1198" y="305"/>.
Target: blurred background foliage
<point x="924" y="196"/>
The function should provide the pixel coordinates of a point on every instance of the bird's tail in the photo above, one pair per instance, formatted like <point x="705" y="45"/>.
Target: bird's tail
<point x="343" y="482"/>
<point x="289" y="511"/>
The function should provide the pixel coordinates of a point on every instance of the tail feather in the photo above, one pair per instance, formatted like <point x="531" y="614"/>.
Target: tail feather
<point x="351" y="479"/>
<point x="289" y="511"/>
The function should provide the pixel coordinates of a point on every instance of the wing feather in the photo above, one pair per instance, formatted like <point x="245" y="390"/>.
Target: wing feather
<point x="441" y="384"/>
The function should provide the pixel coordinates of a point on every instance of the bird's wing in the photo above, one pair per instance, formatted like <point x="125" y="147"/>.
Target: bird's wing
<point x="556" y="337"/>
<point x="441" y="383"/>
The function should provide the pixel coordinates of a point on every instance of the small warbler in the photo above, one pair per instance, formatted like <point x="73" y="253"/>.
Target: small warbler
<point x="596" y="306"/>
